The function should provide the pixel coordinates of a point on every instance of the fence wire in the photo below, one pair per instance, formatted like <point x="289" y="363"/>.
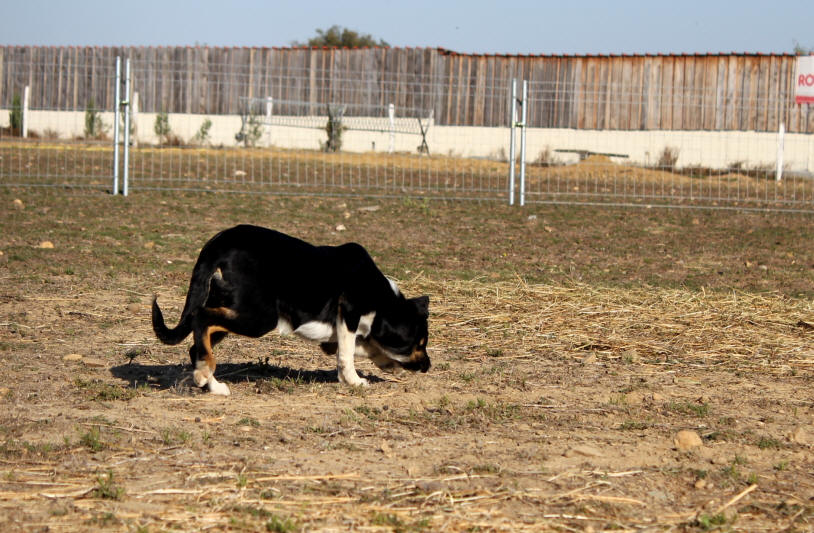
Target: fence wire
<point x="277" y="145"/>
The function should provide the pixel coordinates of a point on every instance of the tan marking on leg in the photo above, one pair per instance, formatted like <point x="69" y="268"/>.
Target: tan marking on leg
<point x="215" y="387"/>
<point x="207" y="345"/>
<point x="221" y="312"/>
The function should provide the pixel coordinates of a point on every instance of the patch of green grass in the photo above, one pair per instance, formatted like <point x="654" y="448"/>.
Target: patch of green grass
<point x="634" y="425"/>
<point x="769" y="443"/>
<point x="280" y="525"/>
<point x="373" y="413"/>
<point x="397" y="524"/>
<point x="486" y="468"/>
<point x="248" y="421"/>
<point x="173" y="436"/>
<point x="99" y="390"/>
<point x="17" y="448"/>
<point x="708" y="522"/>
<point x="689" y="408"/>
<point x="781" y="466"/>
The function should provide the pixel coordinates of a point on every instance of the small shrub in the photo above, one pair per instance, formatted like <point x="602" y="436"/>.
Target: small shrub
<point x="202" y="135"/>
<point x="94" y="127"/>
<point x="334" y="129"/>
<point x="667" y="159"/>
<point x="545" y="158"/>
<point x="250" y="132"/>
<point x="15" y="116"/>
<point x="161" y="127"/>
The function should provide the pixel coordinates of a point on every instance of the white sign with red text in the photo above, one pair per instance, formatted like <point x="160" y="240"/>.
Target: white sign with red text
<point x="804" y="80"/>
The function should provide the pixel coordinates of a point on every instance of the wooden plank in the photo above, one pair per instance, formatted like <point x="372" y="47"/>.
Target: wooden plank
<point x="773" y="118"/>
<point x="652" y="90"/>
<point x="720" y="90"/>
<point x="637" y="94"/>
<point x="667" y="94"/>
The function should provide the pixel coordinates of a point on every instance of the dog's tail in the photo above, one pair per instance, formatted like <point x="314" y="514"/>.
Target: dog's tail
<point x="196" y="298"/>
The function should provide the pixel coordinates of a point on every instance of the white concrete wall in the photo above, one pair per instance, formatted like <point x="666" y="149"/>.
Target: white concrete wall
<point x="712" y="149"/>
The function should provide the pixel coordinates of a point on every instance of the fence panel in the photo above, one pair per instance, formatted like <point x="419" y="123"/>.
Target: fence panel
<point x="629" y="130"/>
<point x="68" y="139"/>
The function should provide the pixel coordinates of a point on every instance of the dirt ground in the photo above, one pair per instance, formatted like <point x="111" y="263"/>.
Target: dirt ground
<point x="593" y="370"/>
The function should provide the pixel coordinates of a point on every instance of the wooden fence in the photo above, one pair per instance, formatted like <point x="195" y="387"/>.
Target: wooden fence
<point x="653" y="92"/>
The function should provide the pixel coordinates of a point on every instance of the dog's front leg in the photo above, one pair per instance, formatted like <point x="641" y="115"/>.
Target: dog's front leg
<point x="346" y="348"/>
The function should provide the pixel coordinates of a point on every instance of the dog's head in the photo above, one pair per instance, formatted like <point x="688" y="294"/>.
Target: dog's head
<point x="398" y="336"/>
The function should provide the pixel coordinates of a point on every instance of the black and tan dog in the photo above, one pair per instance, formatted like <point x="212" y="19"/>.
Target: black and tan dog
<point x="250" y="280"/>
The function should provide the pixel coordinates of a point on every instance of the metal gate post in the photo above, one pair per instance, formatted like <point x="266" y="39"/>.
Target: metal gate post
<point x="116" y="112"/>
<point x="126" y="104"/>
<point x="512" y="138"/>
<point x="522" y="125"/>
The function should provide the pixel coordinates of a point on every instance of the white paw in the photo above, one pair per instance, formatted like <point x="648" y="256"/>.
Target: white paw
<point x="217" y="388"/>
<point x="200" y="377"/>
<point x="353" y="380"/>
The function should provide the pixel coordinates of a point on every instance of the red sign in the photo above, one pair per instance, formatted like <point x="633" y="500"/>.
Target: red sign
<point x="804" y="80"/>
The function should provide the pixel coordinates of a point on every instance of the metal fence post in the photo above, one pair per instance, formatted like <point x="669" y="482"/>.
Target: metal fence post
<point x="116" y="113"/>
<point x="780" y="139"/>
<point x="522" y="125"/>
<point x="26" y="93"/>
<point x="391" y="115"/>
<point x="512" y="138"/>
<point x="126" y="104"/>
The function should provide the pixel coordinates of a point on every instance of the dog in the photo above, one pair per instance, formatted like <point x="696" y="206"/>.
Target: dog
<point x="250" y="280"/>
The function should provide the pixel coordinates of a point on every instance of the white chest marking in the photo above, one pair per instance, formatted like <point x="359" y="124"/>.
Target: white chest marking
<point x="364" y="324"/>
<point x="394" y="287"/>
<point x="316" y="331"/>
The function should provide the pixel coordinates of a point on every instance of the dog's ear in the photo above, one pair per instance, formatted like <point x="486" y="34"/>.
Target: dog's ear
<point x="422" y="305"/>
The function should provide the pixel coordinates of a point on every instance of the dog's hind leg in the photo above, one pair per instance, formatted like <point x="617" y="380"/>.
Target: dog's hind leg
<point x="204" y="372"/>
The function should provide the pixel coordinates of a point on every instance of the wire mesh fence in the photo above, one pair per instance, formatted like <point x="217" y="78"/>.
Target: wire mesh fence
<point x="332" y="143"/>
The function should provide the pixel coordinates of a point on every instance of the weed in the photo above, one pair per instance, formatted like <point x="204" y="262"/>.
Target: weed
<point x="689" y="408"/>
<point x="99" y="390"/>
<point x="373" y="413"/>
<point x="242" y="481"/>
<point x="632" y="425"/>
<point x="106" y="487"/>
<point x="280" y="525"/>
<point x="708" y="522"/>
<point x="248" y="421"/>
<point x="782" y="466"/>
<point x="92" y="440"/>
<point x="487" y="468"/>
<point x="765" y="443"/>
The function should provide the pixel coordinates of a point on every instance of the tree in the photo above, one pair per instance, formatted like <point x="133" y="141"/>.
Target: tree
<point x="338" y="37"/>
<point x="801" y="50"/>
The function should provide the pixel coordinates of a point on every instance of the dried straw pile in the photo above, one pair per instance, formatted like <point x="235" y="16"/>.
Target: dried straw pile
<point x="654" y="325"/>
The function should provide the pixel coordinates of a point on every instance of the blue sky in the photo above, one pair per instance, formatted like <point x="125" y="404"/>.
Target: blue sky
<point x="476" y="26"/>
